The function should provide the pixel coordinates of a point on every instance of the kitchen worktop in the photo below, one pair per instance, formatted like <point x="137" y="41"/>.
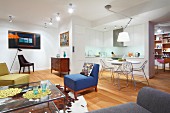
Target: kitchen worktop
<point x="116" y="57"/>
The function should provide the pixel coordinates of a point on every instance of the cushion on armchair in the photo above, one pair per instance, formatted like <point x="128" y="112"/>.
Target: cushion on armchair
<point x="87" y="69"/>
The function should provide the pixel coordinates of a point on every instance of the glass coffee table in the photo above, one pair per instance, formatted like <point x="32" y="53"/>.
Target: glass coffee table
<point x="18" y="102"/>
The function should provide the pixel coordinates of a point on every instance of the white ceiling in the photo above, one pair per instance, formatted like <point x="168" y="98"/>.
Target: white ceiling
<point x="40" y="11"/>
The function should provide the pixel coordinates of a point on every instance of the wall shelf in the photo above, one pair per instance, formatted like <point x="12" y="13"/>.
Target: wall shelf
<point x="162" y="45"/>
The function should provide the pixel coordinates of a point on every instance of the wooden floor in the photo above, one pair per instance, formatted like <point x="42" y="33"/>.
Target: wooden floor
<point x="108" y="94"/>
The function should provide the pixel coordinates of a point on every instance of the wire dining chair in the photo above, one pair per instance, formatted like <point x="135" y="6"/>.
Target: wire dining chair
<point x="105" y="67"/>
<point x="141" y="69"/>
<point x="126" y="69"/>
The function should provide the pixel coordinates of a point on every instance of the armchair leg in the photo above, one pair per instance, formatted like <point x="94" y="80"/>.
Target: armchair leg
<point x="33" y="67"/>
<point x="64" y="88"/>
<point x="75" y="95"/>
<point x="96" y="88"/>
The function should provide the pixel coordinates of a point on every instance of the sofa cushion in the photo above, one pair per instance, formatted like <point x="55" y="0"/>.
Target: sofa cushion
<point x="154" y="100"/>
<point x="123" y="108"/>
<point x="3" y="69"/>
<point x="78" y="81"/>
<point x="12" y="79"/>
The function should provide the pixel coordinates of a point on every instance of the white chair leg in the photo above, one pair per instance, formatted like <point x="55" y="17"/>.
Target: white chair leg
<point x="134" y="83"/>
<point x="118" y="81"/>
<point x="127" y="84"/>
<point x="145" y="77"/>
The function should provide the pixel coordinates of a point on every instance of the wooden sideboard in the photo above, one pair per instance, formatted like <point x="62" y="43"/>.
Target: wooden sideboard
<point x="60" y="64"/>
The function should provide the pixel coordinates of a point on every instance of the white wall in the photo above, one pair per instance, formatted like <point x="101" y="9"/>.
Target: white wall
<point x="80" y="34"/>
<point x="40" y="57"/>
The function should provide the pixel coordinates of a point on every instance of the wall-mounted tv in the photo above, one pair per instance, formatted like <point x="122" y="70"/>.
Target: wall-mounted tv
<point x="18" y="39"/>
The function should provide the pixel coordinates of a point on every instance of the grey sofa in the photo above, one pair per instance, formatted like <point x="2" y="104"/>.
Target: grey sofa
<point x="149" y="100"/>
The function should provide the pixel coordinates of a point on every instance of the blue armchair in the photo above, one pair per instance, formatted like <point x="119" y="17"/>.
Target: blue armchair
<point x="78" y="83"/>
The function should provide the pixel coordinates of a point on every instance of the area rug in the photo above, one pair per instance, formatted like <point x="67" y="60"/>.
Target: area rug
<point x="72" y="105"/>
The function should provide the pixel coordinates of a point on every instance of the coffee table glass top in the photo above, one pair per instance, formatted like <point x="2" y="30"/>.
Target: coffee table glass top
<point x="17" y="101"/>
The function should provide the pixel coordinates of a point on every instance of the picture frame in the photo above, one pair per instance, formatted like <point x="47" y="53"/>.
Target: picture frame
<point x="25" y="40"/>
<point x="64" y="39"/>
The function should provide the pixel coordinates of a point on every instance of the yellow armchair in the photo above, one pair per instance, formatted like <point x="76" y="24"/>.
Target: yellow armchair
<point x="10" y="79"/>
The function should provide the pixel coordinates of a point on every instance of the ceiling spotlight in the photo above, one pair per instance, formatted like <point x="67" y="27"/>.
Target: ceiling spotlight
<point x="159" y="30"/>
<point x="108" y="7"/>
<point x="45" y="25"/>
<point x="10" y="18"/>
<point x="115" y="27"/>
<point x="70" y="9"/>
<point x="58" y="17"/>
<point x="51" y="21"/>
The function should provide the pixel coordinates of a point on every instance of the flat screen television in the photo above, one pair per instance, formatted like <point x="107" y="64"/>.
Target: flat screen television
<point x="18" y="39"/>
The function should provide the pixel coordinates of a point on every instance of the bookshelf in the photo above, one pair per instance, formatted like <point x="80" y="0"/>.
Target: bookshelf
<point x="162" y="45"/>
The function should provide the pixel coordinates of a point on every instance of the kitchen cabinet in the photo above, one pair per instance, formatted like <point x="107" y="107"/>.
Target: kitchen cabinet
<point x="108" y="39"/>
<point x="94" y="38"/>
<point x="139" y="35"/>
<point x="131" y="36"/>
<point x="136" y="34"/>
<point x="99" y="39"/>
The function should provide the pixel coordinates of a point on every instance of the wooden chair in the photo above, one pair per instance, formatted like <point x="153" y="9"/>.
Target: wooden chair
<point x="164" y="61"/>
<point x="24" y="63"/>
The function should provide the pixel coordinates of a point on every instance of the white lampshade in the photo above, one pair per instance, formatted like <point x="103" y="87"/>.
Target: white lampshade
<point x="123" y="37"/>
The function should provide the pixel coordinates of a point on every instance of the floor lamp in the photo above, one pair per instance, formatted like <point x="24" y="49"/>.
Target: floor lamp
<point x="15" y="58"/>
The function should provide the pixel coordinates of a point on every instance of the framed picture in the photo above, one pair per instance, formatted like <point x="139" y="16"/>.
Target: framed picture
<point x="19" y="39"/>
<point x="64" y="39"/>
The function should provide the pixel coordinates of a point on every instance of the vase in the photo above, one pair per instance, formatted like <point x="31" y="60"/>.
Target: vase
<point x="64" y="55"/>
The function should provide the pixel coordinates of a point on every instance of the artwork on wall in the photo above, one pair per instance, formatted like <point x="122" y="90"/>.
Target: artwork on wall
<point x="64" y="39"/>
<point x="19" y="39"/>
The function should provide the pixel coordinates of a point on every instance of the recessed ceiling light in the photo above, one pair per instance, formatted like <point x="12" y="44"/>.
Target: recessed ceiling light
<point x="70" y="9"/>
<point x="58" y="17"/>
<point x="50" y="23"/>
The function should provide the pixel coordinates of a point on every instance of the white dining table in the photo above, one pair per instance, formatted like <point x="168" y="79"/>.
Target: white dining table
<point x="116" y="62"/>
<point x="119" y="63"/>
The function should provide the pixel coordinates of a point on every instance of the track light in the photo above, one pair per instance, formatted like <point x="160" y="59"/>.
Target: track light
<point x="51" y="21"/>
<point x="10" y="18"/>
<point x="70" y="9"/>
<point x="58" y="17"/>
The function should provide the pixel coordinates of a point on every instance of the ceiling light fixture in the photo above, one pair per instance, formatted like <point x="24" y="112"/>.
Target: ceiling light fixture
<point x="10" y="18"/>
<point x="159" y="30"/>
<point x="45" y="25"/>
<point x="70" y="8"/>
<point x="123" y="36"/>
<point x="51" y="21"/>
<point x="58" y="17"/>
